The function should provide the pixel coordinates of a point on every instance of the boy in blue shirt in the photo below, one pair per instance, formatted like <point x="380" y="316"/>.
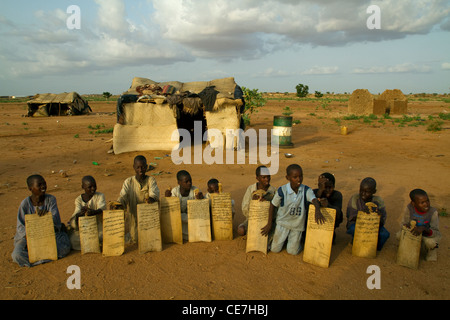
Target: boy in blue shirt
<point x="39" y="202"/>
<point x="292" y="201"/>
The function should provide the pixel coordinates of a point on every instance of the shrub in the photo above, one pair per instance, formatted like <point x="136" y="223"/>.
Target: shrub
<point x="302" y="90"/>
<point x="253" y="101"/>
<point x="287" y="111"/>
<point x="435" y="126"/>
<point x="107" y="94"/>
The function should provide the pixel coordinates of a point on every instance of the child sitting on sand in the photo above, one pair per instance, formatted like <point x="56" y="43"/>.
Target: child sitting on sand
<point x="90" y="203"/>
<point x="357" y="202"/>
<point x="427" y="222"/>
<point x="137" y="189"/>
<point x="329" y="197"/>
<point x="213" y="187"/>
<point x="39" y="202"/>
<point x="184" y="191"/>
<point x="262" y="185"/>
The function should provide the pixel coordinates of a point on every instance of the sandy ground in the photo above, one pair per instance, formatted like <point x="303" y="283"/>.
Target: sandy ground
<point x="399" y="158"/>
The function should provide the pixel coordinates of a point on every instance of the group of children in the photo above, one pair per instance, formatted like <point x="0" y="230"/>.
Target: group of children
<point x="288" y="209"/>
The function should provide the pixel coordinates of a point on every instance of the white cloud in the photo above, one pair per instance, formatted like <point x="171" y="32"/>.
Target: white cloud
<point x="112" y="40"/>
<point x="445" y="66"/>
<point x="181" y="30"/>
<point x="400" y="68"/>
<point x="218" y="27"/>
<point x="274" y="73"/>
<point x="112" y="15"/>
<point x="321" y="70"/>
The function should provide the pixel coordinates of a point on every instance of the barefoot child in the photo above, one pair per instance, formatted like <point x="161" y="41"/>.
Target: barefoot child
<point x="90" y="203"/>
<point x="262" y="185"/>
<point x="357" y="202"/>
<point x="40" y="203"/>
<point x="184" y="191"/>
<point x="137" y="189"/>
<point x="427" y="222"/>
<point x="291" y="200"/>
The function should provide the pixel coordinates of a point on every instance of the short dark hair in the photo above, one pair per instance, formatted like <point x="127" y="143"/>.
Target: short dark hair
<point x="32" y="178"/>
<point x="369" y="182"/>
<point x="88" y="179"/>
<point x="417" y="192"/>
<point x="182" y="173"/>
<point x="140" y="158"/>
<point x="293" y="167"/>
<point x="259" y="169"/>
<point x="330" y="177"/>
<point x="213" y="181"/>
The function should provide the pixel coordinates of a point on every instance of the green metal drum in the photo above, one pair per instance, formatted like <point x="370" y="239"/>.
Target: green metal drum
<point x="282" y="127"/>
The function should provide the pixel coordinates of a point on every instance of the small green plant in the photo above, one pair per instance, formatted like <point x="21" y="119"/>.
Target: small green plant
<point x="443" y="212"/>
<point x="76" y="136"/>
<point x="110" y="130"/>
<point x="318" y="94"/>
<point x="97" y="126"/>
<point x="435" y="126"/>
<point x="367" y="120"/>
<point x="296" y="122"/>
<point x="351" y="117"/>
<point x="326" y="105"/>
<point x="444" y="116"/>
<point x="287" y="111"/>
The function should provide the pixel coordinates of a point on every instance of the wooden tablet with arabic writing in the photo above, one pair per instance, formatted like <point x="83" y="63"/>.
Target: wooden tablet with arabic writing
<point x="199" y="222"/>
<point x="89" y="234"/>
<point x="222" y="216"/>
<point x="408" y="253"/>
<point x="171" y="227"/>
<point x="113" y="232"/>
<point x="41" y="241"/>
<point x="258" y="216"/>
<point x="149" y="227"/>
<point x="319" y="237"/>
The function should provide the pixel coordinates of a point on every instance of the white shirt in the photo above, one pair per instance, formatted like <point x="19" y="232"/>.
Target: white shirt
<point x="292" y="215"/>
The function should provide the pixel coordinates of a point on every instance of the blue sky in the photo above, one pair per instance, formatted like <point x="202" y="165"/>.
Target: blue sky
<point x="270" y="45"/>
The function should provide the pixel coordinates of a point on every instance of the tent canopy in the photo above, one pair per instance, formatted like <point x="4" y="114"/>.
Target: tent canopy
<point x="48" y="104"/>
<point x="226" y="87"/>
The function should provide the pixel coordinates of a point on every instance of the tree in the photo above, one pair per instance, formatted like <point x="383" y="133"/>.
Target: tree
<point x="302" y="90"/>
<point x="318" y="94"/>
<point x="253" y="101"/>
<point x="107" y="94"/>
